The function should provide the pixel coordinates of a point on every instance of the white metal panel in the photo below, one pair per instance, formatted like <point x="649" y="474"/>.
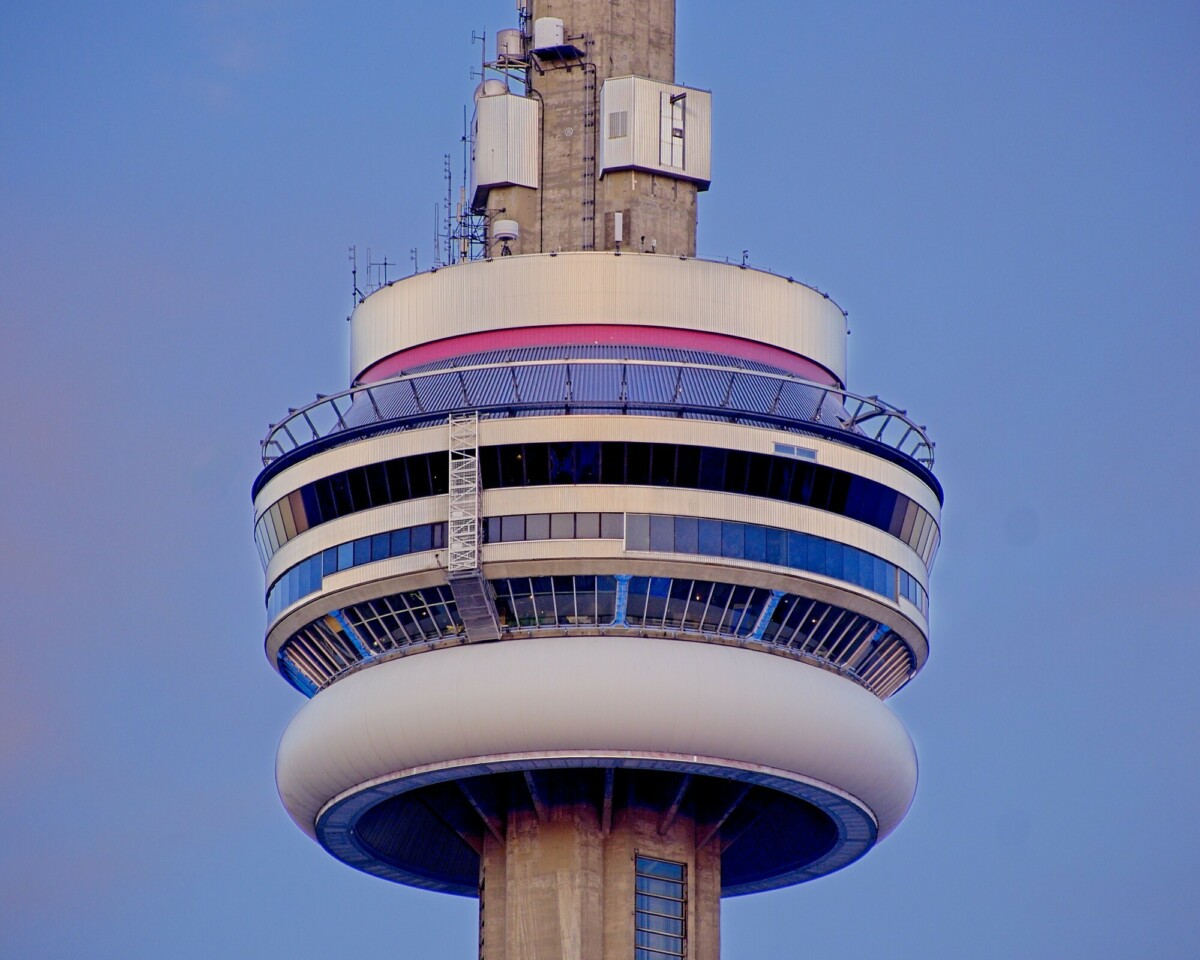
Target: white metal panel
<point x="347" y="457"/>
<point x="591" y="287"/>
<point x="364" y="523"/>
<point x="722" y="703"/>
<point x="616" y="125"/>
<point x="506" y="142"/>
<point x="649" y="118"/>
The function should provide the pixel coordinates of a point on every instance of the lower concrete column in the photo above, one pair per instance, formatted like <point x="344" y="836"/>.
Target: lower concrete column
<point x="559" y="888"/>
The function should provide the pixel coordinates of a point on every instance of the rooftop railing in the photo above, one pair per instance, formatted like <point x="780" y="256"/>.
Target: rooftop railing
<point x="502" y="388"/>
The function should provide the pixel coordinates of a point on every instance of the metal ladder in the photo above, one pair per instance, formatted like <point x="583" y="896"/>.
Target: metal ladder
<point x="472" y="593"/>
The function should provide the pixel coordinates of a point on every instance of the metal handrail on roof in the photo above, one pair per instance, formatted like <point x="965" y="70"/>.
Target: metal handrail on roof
<point x="360" y="407"/>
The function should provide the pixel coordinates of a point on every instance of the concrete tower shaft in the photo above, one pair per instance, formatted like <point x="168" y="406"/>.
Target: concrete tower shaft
<point x="581" y="205"/>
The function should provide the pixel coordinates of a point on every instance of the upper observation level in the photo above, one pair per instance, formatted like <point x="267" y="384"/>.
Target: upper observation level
<point x="598" y="333"/>
<point x="675" y="302"/>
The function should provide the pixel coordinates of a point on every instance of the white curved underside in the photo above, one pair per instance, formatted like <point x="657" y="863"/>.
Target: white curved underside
<point x="606" y="695"/>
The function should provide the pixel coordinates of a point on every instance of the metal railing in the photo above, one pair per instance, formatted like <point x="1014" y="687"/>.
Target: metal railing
<point x="363" y="406"/>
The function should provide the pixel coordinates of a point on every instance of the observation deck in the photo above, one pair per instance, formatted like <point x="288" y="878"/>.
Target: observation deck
<point x="667" y="464"/>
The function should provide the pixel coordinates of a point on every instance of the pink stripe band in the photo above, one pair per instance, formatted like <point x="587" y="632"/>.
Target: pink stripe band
<point x="579" y="334"/>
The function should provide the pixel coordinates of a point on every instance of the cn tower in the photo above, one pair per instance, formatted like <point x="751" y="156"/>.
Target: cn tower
<point x="598" y="575"/>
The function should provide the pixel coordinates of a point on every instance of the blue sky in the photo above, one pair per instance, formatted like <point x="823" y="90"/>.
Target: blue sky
<point x="1003" y="195"/>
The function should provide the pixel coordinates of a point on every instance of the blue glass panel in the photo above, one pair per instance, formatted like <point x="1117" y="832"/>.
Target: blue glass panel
<point x="797" y="550"/>
<point x="381" y="546"/>
<point x="756" y="543"/>
<point x="776" y="546"/>
<point x="362" y="551"/>
<point x="401" y="542"/>
<point x="850" y="567"/>
<point x="709" y="538"/>
<point x="422" y="538"/>
<point x="733" y="539"/>
<point x="834" y="555"/>
<point x="329" y="561"/>
<point x="687" y="535"/>
<point x="815" y="555"/>
<point x="662" y="534"/>
<point x="345" y="556"/>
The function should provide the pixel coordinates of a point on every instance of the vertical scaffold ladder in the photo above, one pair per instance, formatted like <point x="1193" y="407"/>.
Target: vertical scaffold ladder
<point x="472" y="593"/>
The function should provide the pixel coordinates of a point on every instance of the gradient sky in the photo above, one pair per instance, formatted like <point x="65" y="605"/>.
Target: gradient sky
<point x="1005" y="197"/>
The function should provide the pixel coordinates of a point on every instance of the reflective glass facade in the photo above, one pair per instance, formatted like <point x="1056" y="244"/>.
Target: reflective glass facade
<point x="784" y="478"/>
<point x="856" y="645"/>
<point x="785" y="548"/>
<point x="342" y="639"/>
<point x="307" y="576"/>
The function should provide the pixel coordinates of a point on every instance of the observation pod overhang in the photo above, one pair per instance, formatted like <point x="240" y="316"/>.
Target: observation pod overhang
<point x="838" y="767"/>
<point x="673" y="298"/>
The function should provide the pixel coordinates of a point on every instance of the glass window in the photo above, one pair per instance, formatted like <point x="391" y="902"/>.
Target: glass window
<point x="736" y="464"/>
<point x="587" y="526"/>
<point x="537" y="464"/>
<point x="637" y="532"/>
<point x="712" y="469"/>
<point x="660" y="909"/>
<point x="326" y="509"/>
<point x="329" y="561"/>
<point x="512" y="528"/>
<point x="687" y="535"/>
<point x="537" y="526"/>
<point x="511" y="466"/>
<point x="612" y="463"/>
<point x="612" y="526"/>
<point x="709" y="537"/>
<point x="639" y="587"/>
<point x="339" y="486"/>
<point x="662" y="534"/>
<point x="756" y="543"/>
<point x="422" y="538"/>
<point x="656" y="599"/>
<point x="401" y="542"/>
<point x="662" y="469"/>
<point x="419" y="483"/>
<point x="562" y="526"/>
<point x="758" y="480"/>
<point x="362" y="551"/>
<point x="359" y="494"/>
<point x="345" y="555"/>
<point x="377" y="485"/>
<point x="439" y="473"/>
<point x="733" y="540"/>
<point x="491" y="530"/>
<point x="687" y="467"/>
<point x="562" y="462"/>
<point x="381" y="546"/>
<point x="489" y="467"/>
<point x="587" y="462"/>
<point x="776" y="546"/>
<point x="782" y="473"/>
<point x="637" y="471"/>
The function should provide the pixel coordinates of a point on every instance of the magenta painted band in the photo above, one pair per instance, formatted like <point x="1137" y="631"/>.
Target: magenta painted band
<point x="608" y="334"/>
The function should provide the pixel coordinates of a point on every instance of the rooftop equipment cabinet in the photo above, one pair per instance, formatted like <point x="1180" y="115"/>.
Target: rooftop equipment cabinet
<point x="548" y="33"/>
<point x="661" y="128"/>
<point x="505" y="148"/>
<point x="510" y="47"/>
<point x="550" y="41"/>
